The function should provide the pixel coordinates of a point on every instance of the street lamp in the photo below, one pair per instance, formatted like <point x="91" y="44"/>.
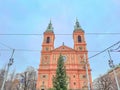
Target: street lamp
<point x="111" y="64"/>
<point x="86" y="66"/>
<point x="6" y="73"/>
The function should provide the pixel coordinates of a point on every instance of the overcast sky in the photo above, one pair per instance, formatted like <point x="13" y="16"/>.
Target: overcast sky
<point x="33" y="16"/>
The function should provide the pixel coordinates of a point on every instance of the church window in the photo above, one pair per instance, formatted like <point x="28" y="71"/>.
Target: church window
<point x="79" y="39"/>
<point x="48" y="40"/>
<point x="44" y="76"/>
<point x="84" y="76"/>
<point x="84" y="67"/>
<point x="74" y="83"/>
<point x="74" y="76"/>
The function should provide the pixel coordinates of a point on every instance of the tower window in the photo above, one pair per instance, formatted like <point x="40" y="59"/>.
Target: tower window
<point x="44" y="76"/>
<point x="48" y="40"/>
<point x="79" y="39"/>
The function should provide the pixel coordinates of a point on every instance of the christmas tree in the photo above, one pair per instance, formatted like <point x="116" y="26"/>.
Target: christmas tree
<point x="60" y="79"/>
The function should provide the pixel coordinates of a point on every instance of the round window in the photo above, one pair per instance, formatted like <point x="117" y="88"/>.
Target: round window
<point x="64" y="58"/>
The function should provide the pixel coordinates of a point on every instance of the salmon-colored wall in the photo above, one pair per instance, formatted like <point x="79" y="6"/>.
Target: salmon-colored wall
<point x="75" y="66"/>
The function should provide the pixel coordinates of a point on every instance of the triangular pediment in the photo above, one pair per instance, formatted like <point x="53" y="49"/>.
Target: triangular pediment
<point x="63" y="48"/>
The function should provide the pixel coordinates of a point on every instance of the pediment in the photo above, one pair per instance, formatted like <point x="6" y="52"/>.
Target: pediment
<point x="63" y="48"/>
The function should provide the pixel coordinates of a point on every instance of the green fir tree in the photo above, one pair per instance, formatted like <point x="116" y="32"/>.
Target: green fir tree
<point x="60" y="80"/>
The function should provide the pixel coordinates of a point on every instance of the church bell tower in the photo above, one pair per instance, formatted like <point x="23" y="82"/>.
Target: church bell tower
<point x="48" y="42"/>
<point x="78" y="37"/>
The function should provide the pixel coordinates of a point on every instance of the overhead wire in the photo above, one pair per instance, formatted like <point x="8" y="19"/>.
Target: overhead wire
<point x="115" y="48"/>
<point x="104" y="50"/>
<point x="35" y="50"/>
<point x="21" y="34"/>
<point x="28" y="50"/>
<point x="31" y="50"/>
<point x="25" y="34"/>
<point x="6" y="46"/>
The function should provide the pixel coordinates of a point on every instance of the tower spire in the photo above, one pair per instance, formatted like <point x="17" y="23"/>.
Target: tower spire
<point x="49" y="28"/>
<point x="77" y="25"/>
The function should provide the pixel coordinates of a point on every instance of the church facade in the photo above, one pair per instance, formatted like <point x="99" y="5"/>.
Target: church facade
<point x="76" y="62"/>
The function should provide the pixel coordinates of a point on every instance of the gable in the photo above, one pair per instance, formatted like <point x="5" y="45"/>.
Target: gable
<point x="63" y="48"/>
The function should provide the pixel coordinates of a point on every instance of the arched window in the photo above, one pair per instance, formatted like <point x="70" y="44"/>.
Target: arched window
<point x="79" y="39"/>
<point x="74" y="83"/>
<point x="48" y="40"/>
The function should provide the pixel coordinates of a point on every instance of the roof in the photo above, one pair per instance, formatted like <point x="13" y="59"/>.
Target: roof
<point x="49" y="28"/>
<point x="77" y="26"/>
<point x="63" y="48"/>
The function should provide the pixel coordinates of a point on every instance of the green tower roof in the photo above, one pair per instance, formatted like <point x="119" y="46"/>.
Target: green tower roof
<point x="49" y="28"/>
<point x="77" y="26"/>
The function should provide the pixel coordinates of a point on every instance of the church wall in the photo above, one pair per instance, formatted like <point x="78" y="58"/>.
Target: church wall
<point x="75" y="59"/>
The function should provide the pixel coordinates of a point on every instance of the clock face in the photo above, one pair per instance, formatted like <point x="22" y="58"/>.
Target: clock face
<point x="64" y="58"/>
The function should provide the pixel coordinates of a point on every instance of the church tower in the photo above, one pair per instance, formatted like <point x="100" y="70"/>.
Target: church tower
<point x="82" y="54"/>
<point x="48" y="42"/>
<point x="76" y="60"/>
<point x="78" y="36"/>
<point x="47" y="47"/>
